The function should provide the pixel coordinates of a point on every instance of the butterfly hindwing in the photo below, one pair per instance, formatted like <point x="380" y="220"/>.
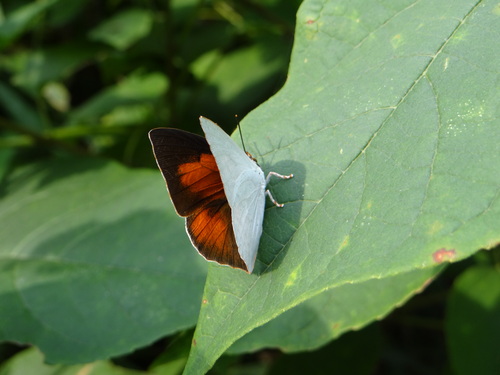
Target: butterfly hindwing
<point x="211" y="231"/>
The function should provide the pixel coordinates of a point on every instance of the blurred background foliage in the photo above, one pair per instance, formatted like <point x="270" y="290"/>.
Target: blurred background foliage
<point x="92" y="77"/>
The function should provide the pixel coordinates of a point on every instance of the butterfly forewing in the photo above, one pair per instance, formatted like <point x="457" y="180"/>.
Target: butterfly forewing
<point x="188" y="167"/>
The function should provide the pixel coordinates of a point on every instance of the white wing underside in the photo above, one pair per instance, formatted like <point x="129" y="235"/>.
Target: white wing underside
<point x="244" y="186"/>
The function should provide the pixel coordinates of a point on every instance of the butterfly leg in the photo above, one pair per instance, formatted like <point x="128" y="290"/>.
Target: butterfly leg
<point x="268" y="193"/>
<point x="285" y="177"/>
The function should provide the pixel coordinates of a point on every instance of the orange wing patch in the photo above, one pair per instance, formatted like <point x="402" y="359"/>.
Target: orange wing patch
<point x="210" y="227"/>
<point x="211" y="232"/>
<point x="202" y="177"/>
<point x="196" y="183"/>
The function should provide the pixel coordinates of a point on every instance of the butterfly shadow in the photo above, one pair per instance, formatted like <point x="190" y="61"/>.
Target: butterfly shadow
<point x="280" y="223"/>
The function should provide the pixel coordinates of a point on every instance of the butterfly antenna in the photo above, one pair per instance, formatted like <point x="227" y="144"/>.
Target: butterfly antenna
<point x="241" y="136"/>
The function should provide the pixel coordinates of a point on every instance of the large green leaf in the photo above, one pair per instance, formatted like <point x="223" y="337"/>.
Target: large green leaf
<point x="389" y="122"/>
<point x="329" y="314"/>
<point x="94" y="262"/>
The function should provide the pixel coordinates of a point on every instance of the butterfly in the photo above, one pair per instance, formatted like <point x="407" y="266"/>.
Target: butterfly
<point x="218" y="188"/>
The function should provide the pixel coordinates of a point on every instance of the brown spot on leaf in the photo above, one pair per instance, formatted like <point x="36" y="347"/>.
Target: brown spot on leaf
<point x="205" y="301"/>
<point x="309" y="22"/>
<point x="194" y="342"/>
<point x="444" y="255"/>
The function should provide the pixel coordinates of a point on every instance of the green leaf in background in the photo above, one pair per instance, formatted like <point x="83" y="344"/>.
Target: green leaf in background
<point x="18" y="108"/>
<point x="93" y="260"/>
<point x="20" y="19"/>
<point x="135" y="89"/>
<point x="355" y="353"/>
<point x="173" y="360"/>
<point x="389" y="122"/>
<point x="118" y="31"/>
<point x="472" y="324"/>
<point x="32" y="69"/>
<point x="64" y="12"/>
<point x="128" y="115"/>
<point x="57" y="95"/>
<point x="225" y="83"/>
<point x="31" y="361"/>
<point x="6" y="156"/>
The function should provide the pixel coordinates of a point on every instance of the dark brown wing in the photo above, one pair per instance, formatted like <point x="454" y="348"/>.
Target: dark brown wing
<point x="195" y="187"/>
<point x="188" y="167"/>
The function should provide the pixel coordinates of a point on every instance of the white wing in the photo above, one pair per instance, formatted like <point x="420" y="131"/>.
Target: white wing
<point x="244" y="186"/>
<point x="248" y="214"/>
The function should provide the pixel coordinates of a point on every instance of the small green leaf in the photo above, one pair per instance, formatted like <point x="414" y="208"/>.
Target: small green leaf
<point x="19" y="20"/>
<point x="472" y="324"/>
<point x="124" y="29"/>
<point x="134" y="89"/>
<point x="94" y="262"/>
<point x="128" y="115"/>
<point x="33" y="68"/>
<point x="18" y="108"/>
<point x="231" y="80"/>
